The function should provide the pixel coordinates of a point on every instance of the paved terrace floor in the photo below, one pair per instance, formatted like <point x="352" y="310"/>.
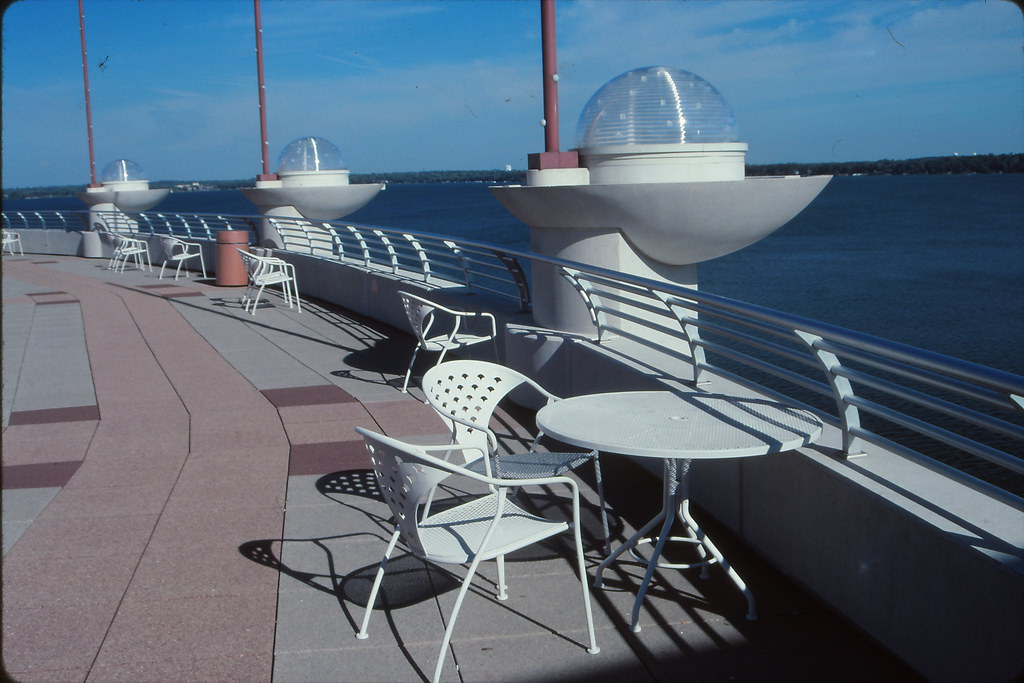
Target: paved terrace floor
<point x="184" y="499"/>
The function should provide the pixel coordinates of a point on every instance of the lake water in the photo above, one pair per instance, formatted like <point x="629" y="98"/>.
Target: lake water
<point x="932" y="261"/>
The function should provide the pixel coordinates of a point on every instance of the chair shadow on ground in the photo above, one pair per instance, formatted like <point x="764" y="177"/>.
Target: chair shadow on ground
<point x="769" y="643"/>
<point x="317" y="561"/>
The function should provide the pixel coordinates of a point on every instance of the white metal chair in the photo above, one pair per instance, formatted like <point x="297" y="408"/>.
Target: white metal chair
<point x="488" y="526"/>
<point x="126" y="248"/>
<point x="12" y="240"/>
<point x="179" y="251"/>
<point x="268" y="270"/>
<point x="465" y="393"/>
<point x="442" y="329"/>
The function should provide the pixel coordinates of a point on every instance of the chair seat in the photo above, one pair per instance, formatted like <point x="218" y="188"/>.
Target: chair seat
<point x="445" y="344"/>
<point x="532" y="465"/>
<point x="272" y="278"/>
<point x="448" y="535"/>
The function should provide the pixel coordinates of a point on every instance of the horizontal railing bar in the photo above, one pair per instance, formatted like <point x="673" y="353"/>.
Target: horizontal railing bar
<point x="771" y="347"/>
<point x="919" y="374"/>
<point x="945" y="436"/>
<point x="774" y="370"/>
<point x="936" y="404"/>
<point x="942" y="468"/>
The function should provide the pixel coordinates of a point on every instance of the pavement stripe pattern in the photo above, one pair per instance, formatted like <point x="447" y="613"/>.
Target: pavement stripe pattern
<point x="145" y="532"/>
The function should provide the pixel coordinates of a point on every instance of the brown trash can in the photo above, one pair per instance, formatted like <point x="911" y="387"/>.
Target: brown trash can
<point x="230" y="269"/>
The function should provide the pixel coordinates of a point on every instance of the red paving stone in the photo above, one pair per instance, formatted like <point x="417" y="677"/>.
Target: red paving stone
<point x="134" y="508"/>
<point x="43" y="475"/>
<point x="48" y="415"/>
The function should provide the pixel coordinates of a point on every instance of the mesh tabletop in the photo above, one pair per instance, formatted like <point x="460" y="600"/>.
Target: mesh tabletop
<point x="664" y="424"/>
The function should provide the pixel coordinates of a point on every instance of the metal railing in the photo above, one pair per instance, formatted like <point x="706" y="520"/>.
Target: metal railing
<point x="45" y="220"/>
<point x="962" y="419"/>
<point x="432" y="258"/>
<point x="190" y="226"/>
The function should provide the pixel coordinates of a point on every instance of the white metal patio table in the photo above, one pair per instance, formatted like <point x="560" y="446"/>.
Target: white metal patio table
<point x="678" y="428"/>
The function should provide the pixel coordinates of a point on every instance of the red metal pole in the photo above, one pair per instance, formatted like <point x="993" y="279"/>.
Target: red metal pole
<point x="550" y="65"/>
<point x="266" y="175"/>
<point x="88" y="106"/>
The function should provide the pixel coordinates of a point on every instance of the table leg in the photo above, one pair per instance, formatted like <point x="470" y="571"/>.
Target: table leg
<point x="675" y="502"/>
<point x="691" y="523"/>
<point x="671" y="491"/>
<point x="633" y="540"/>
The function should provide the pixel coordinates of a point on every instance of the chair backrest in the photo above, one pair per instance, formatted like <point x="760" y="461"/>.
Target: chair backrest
<point x="470" y="391"/>
<point x="170" y="244"/>
<point x="420" y="313"/>
<point x="406" y="477"/>
<point x="251" y="263"/>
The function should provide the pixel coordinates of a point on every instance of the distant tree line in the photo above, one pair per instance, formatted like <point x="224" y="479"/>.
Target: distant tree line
<point x="980" y="163"/>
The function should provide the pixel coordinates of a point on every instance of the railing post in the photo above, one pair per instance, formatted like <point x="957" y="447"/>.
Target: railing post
<point x="421" y="254"/>
<point x="392" y="256"/>
<point x="691" y="333"/>
<point x="515" y="269"/>
<point x="337" y="246"/>
<point x="202" y="222"/>
<point x="842" y="390"/>
<point x="358" y="236"/>
<point x="593" y="307"/>
<point x="457" y="253"/>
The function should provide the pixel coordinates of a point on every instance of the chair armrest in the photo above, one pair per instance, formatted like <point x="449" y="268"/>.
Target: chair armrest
<point x="492" y="439"/>
<point x="492" y="481"/>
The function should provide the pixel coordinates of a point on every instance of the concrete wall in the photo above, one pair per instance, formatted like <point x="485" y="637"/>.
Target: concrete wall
<point x="51" y="242"/>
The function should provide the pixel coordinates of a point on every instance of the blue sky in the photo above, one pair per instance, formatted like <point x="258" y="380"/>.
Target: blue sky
<point x="406" y="85"/>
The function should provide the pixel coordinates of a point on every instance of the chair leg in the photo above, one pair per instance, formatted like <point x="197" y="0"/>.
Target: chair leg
<point x="600" y="498"/>
<point x="362" y="634"/>
<point x="256" y="300"/>
<point x="408" y="372"/>
<point x="202" y="264"/>
<point x="162" y="266"/>
<point x="453" y="616"/>
<point x="502" y="585"/>
<point x="582" y="569"/>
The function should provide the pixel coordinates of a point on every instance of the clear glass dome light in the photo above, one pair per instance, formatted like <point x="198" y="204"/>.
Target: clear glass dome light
<point x="656" y="105"/>
<point x="310" y="154"/>
<point x="122" y="170"/>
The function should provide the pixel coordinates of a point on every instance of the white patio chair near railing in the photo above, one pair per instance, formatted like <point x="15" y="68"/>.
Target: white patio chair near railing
<point x="126" y="248"/>
<point x="12" y="240"/>
<point x="465" y="393"/>
<point x="179" y="251"/>
<point x="442" y="329"/>
<point x="485" y="527"/>
<point x="268" y="270"/>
